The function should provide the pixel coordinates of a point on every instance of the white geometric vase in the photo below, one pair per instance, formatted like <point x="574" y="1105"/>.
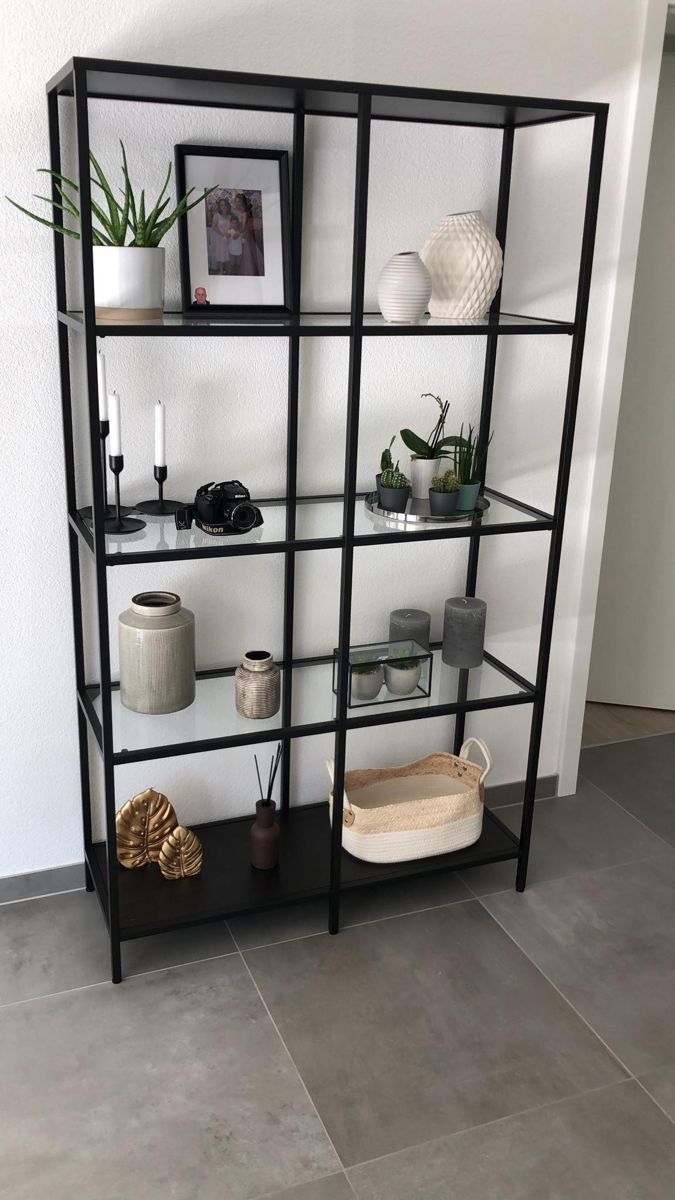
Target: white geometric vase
<point x="404" y="288"/>
<point x="465" y="261"/>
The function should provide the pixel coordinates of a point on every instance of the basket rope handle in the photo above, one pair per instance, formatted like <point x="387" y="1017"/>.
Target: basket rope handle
<point x="330" y="765"/>
<point x="464" y="753"/>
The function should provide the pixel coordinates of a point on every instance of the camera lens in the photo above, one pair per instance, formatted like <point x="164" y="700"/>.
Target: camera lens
<point x="243" y="516"/>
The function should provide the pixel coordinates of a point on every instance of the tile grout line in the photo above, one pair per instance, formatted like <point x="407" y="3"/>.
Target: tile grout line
<point x="521" y="1112"/>
<point x="300" y="937"/>
<point x="631" y="862"/>
<point x="655" y="1101"/>
<point x="640" y="737"/>
<point x="41" y="896"/>
<point x="83" y="987"/>
<point x="308" y="1183"/>
<point x="626" y="810"/>
<point x="568" y="1002"/>
<point x="290" y="1056"/>
<point x="555" y="987"/>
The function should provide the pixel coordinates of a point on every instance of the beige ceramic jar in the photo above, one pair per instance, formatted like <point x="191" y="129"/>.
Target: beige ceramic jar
<point x="157" y="654"/>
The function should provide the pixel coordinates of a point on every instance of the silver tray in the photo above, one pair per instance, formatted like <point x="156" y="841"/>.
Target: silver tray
<point x="417" y="512"/>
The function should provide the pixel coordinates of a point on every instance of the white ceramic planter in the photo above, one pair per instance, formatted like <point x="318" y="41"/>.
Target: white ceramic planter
<point x="422" y="471"/>
<point x="366" y="684"/>
<point x="464" y="260"/>
<point x="404" y="288"/>
<point x="129" y="282"/>
<point x="401" y="681"/>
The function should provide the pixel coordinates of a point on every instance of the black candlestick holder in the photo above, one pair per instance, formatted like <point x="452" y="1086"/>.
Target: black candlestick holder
<point x="160" y="507"/>
<point x="109" y="509"/>
<point x="119" y="523"/>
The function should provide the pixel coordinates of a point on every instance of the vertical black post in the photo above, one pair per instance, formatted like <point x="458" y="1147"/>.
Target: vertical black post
<point x="98" y="506"/>
<point x="351" y="459"/>
<point x="565" y="462"/>
<point x="71" y="497"/>
<point x="486" y="403"/>
<point x="292" y="444"/>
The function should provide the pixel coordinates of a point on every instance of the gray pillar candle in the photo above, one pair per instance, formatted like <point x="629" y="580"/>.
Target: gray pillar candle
<point x="410" y="623"/>
<point x="464" y="631"/>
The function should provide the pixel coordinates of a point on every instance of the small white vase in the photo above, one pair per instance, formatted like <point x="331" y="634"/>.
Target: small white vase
<point x="422" y="471"/>
<point x="465" y="261"/>
<point x="129" y="282"/>
<point x="404" y="288"/>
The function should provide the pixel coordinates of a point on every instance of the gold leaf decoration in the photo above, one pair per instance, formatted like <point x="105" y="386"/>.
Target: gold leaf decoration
<point x="181" y="854"/>
<point x="143" y="825"/>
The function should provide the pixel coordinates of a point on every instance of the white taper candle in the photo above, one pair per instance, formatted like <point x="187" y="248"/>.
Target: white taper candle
<point x="115" y="443"/>
<point x="160" y="434"/>
<point x="102" y="388"/>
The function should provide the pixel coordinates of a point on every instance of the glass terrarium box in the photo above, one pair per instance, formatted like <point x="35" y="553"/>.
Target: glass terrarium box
<point x="386" y="671"/>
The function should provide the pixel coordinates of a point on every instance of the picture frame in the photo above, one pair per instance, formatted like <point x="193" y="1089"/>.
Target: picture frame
<point x="235" y="248"/>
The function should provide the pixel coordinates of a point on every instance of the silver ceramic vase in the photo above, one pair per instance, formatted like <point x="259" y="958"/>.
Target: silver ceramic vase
<point x="257" y="685"/>
<point x="157" y="654"/>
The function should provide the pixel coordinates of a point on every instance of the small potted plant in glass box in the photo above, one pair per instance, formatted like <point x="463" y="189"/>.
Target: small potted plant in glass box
<point x="443" y="495"/>
<point x="394" y="490"/>
<point x="367" y="677"/>
<point x="401" y="671"/>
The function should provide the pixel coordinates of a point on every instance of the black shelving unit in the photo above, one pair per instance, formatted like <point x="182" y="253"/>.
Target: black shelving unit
<point x="138" y="903"/>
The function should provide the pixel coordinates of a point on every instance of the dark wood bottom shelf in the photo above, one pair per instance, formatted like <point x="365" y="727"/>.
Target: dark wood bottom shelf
<point x="228" y="884"/>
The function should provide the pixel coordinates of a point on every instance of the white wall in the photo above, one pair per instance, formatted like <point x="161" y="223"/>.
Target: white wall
<point x="633" y="659"/>
<point x="215" y="388"/>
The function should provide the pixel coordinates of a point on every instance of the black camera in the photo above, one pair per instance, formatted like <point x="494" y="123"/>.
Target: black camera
<point x="221" y="508"/>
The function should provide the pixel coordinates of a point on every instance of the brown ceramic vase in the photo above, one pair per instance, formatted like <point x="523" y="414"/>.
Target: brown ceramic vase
<point x="264" y="837"/>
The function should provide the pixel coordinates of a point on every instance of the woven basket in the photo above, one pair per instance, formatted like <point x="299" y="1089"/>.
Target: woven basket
<point x="423" y="808"/>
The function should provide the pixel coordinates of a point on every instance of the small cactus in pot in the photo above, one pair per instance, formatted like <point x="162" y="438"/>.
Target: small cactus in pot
<point x="386" y="464"/>
<point x="443" y="494"/>
<point x="394" y="490"/>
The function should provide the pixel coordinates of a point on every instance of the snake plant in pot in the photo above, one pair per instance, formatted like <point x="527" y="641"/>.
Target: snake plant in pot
<point x="126" y="235"/>
<point x="426" y="454"/>
<point x="468" y="464"/>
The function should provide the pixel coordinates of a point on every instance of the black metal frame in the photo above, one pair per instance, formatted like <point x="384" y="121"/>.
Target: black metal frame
<point x="186" y="150"/>
<point x="314" y="852"/>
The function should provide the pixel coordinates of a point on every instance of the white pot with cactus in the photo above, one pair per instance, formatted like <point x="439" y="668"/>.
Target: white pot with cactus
<point x="126" y="235"/>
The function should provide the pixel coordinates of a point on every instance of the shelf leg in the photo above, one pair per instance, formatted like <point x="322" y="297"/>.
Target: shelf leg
<point x="88" y="881"/>
<point x="115" y="960"/>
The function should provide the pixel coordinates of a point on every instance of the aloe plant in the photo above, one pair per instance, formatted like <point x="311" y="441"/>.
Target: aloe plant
<point x="435" y="446"/>
<point x="116" y="219"/>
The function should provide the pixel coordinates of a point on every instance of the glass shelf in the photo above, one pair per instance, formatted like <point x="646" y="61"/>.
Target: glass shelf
<point x="213" y="717"/>
<point x="318" y="324"/>
<point x="374" y="323"/>
<point x="318" y="526"/>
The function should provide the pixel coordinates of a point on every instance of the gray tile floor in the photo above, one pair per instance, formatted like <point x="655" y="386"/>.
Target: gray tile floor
<point x="456" y="1039"/>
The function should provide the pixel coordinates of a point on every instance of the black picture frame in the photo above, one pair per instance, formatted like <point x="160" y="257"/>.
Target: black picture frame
<point x="184" y="151"/>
